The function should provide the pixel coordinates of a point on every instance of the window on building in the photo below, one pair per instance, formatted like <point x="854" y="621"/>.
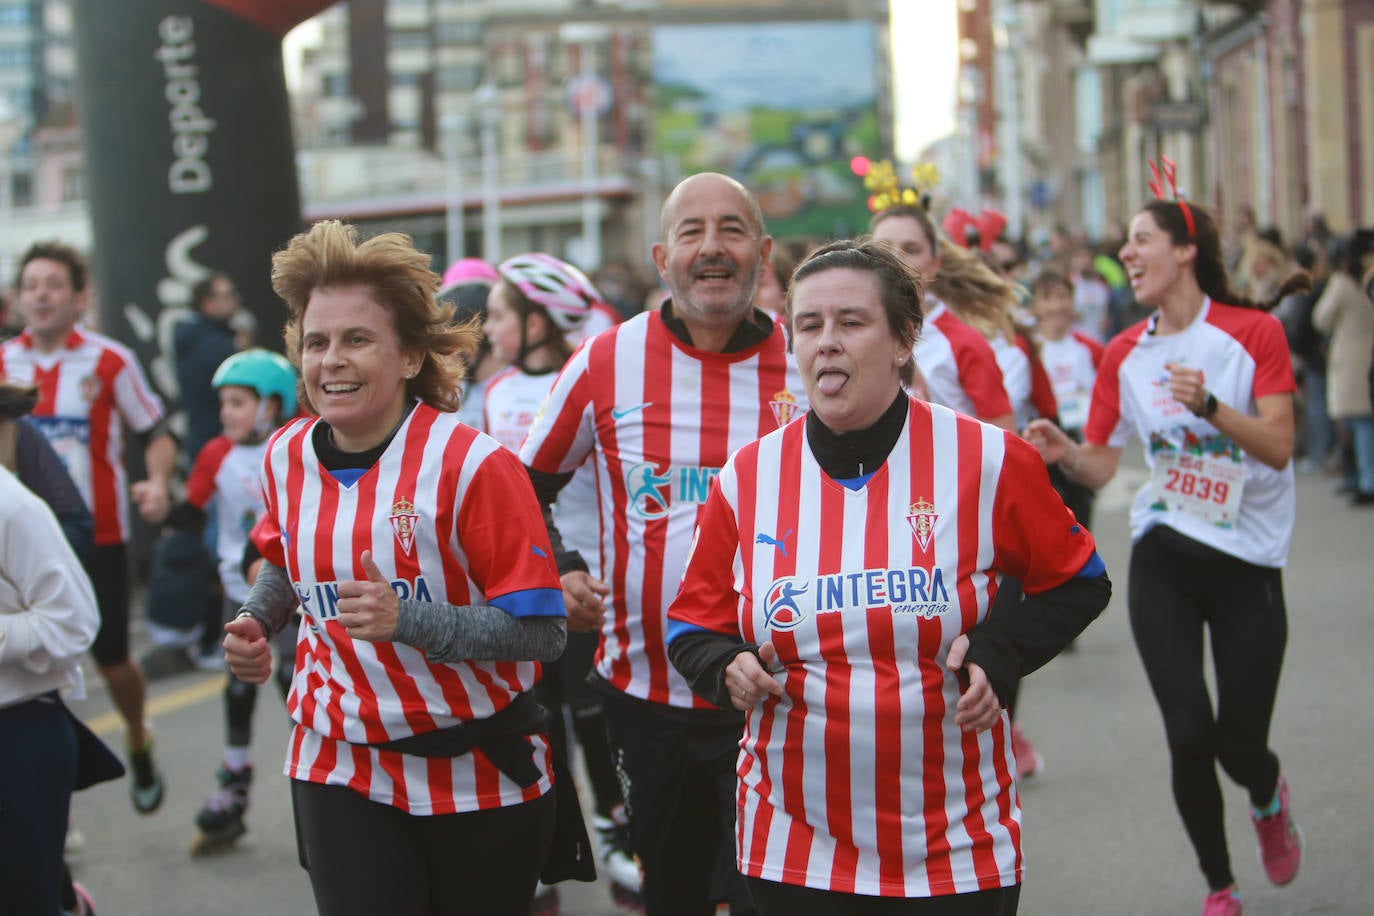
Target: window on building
<point x="21" y="189"/>
<point x="73" y="184"/>
<point x="460" y="77"/>
<point x="14" y="57"/>
<point x="408" y="39"/>
<point x="14" y="14"/>
<point x="459" y="32"/>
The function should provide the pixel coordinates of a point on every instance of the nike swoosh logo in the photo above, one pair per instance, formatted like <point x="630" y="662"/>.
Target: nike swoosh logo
<point x="623" y="412"/>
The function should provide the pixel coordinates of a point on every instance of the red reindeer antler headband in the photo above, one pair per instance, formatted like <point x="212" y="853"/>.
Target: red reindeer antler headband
<point x="1157" y="186"/>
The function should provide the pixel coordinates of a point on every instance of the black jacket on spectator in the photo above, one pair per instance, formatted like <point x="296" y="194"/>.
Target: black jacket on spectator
<point x="200" y="344"/>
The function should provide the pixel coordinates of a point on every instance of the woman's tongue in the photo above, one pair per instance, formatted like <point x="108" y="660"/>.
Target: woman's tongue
<point x="831" y="382"/>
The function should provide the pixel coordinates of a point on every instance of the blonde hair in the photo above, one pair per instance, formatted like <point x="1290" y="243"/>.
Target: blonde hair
<point x="398" y="276"/>
<point x="979" y="295"/>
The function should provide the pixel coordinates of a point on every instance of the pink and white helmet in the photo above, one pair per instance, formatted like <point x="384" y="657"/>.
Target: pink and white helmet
<point x="563" y="290"/>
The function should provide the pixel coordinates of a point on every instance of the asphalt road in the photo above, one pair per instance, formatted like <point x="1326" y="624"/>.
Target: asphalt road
<point x="1101" y="833"/>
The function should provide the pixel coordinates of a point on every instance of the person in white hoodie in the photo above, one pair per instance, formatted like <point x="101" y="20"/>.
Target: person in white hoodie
<point x="48" y="618"/>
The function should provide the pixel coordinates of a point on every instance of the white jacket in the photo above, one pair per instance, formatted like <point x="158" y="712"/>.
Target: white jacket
<point x="48" y="614"/>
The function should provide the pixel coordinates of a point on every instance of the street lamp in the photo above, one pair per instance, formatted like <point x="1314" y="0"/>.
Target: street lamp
<point x="11" y="129"/>
<point x="589" y="96"/>
<point x="487" y="100"/>
<point x="452" y="126"/>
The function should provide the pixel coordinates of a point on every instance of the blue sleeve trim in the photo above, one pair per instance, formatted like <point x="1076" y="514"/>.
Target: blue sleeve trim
<point x="532" y="602"/>
<point x="1093" y="568"/>
<point x="678" y="628"/>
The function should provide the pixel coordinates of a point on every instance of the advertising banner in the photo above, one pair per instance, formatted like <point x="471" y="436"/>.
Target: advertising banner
<point x="189" y="158"/>
<point x="781" y="106"/>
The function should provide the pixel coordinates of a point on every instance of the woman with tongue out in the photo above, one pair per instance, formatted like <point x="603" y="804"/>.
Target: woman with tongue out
<point x="1206" y="384"/>
<point x="863" y="549"/>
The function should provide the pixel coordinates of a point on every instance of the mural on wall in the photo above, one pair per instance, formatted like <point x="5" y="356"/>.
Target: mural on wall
<point x="783" y="107"/>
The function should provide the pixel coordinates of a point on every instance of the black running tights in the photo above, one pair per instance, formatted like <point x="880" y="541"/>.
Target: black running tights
<point x="1178" y="587"/>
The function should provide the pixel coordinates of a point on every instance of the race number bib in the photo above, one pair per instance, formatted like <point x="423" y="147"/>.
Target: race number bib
<point x="1203" y="486"/>
<point x="1073" y="409"/>
<point x="70" y="438"/>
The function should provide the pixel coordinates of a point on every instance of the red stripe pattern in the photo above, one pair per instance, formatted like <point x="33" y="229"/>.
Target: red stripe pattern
<point x="449" y="515"/>
<point x="858" y="780"/>
<point x="657" y="418"/>
<point x="90" y="391"/>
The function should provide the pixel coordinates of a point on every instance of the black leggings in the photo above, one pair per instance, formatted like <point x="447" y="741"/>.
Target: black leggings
<point x="367" y="858"/>
<point x="1177" y="587"/>
<point x="794" y="900"/>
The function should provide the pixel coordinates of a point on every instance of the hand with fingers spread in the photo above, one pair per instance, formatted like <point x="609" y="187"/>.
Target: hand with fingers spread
<point x="978" y="708"/>
<point x="585" y="599"/>
<point x="748" y="679"/>
<point x="368" y="608"/>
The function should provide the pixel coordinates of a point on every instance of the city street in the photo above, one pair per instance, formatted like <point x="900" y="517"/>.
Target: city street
<point x="1101" y="833"/>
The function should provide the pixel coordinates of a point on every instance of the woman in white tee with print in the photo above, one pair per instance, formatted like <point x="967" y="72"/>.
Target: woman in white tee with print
<point x="1206" y="384"/>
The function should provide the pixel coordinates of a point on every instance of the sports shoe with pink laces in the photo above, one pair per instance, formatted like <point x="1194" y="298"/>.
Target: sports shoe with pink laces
<point x="1225" y="902"/>
<point x="1280" y="840"/>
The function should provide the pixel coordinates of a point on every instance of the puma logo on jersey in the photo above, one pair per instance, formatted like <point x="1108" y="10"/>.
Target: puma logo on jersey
<point x="771" y="541"/>
<point x="620" y="413"/>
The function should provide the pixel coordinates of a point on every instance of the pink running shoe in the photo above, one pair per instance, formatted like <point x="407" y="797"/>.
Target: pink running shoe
<point x="1028" y="759"/>
<point x="1225" y="902"/>
<point x="1280" y="840"/>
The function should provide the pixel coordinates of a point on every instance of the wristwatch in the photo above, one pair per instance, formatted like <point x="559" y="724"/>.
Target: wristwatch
<point x="1209" y="407"/>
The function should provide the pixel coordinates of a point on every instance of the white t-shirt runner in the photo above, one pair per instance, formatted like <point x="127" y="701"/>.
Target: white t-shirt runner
<point x="1202" y="484"/>
<point x="1071" y="363"/>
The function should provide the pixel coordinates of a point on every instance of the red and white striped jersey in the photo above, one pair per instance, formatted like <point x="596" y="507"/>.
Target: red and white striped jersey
<point x="89" y="391"/>
<point x="1243" y="355"/>
<point x="230" y="474"/>
<point x="659" y="418"/>
<point x="1072" y="363"/>
<point x="449" y="515"/>
<point x="858" y="780"/>
<point x="513" y="399"/>
<point x="959" y="366"/>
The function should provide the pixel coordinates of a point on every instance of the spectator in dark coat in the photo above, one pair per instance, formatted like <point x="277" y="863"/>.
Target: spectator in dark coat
<point x="200" y="344"/>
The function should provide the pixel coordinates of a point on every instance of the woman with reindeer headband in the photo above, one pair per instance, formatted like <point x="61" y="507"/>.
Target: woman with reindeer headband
<point x="1206" y="384"/>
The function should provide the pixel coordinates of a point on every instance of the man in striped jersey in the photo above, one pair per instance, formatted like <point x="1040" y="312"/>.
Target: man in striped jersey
<point x="658" y="403"/>
<point x="91" y="393"/>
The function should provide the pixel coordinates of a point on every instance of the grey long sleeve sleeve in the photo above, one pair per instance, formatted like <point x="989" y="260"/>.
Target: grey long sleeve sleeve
<point x="272" y="600"/>
<point x="449" y="633"/>
<point x="446" y="633"/>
